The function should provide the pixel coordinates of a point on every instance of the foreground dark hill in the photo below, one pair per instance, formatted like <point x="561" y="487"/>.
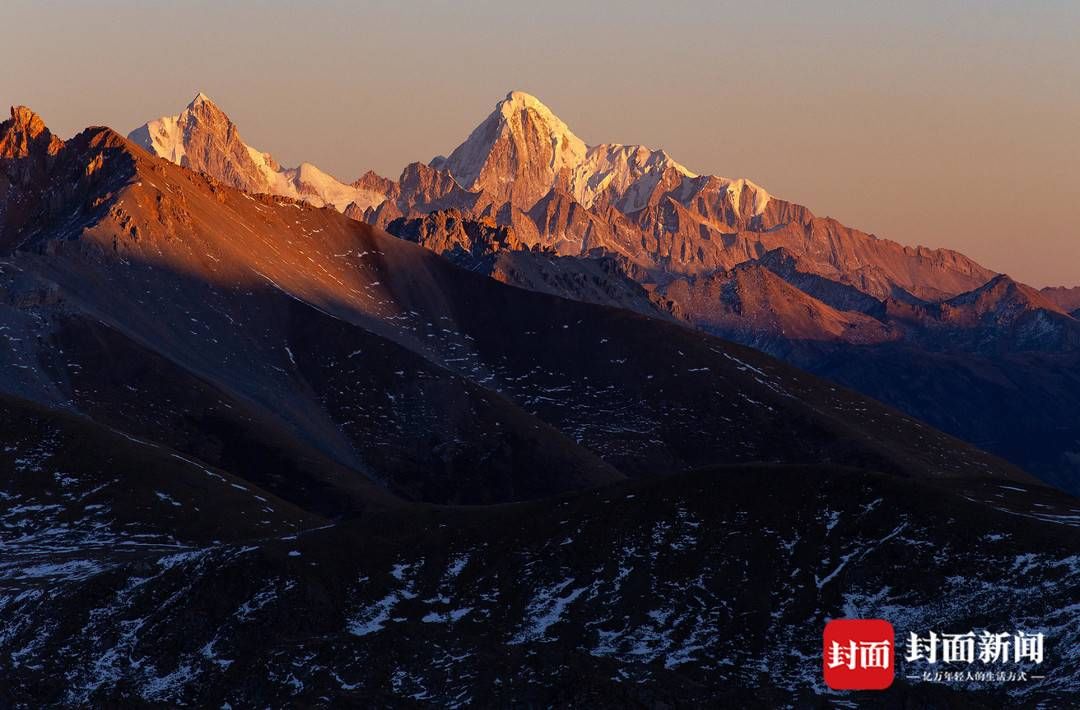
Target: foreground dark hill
<point x="321" y="357"/>
<point x="141" y="576"/>
<point x="704" y="588"/>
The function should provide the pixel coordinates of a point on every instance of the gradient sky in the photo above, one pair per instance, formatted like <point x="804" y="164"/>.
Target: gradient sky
<point x="948" y="124"/>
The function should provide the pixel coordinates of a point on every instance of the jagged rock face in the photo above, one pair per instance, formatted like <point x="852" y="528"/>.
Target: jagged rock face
<point x="373" y="182"/>
<point x="731" y="205"/>
<point x="46" y="183"/>
<point x="449" y="233"/>
<point x="25" y="135"/>
<point x="420" y="190"/>
<point x="516" y="154"/>
<point x="622" y="176"/>
<point x="568" y="228"/>
<point x="1066" y="298"/>
<point x="27" y="152"/>
<point x="203" y="138"/>
<point x="425" y="189"/>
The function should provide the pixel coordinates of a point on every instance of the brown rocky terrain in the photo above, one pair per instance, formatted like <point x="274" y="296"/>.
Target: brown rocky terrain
<point x="27" y="152"/>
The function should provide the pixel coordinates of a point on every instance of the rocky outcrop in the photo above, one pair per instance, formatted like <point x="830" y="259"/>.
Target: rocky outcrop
<point x="752" y="304"/>
<point x="27" y="152"/>
<point x="1066" y="298"/>
<point x="25" y="135"/>
<point x="49" y="184"/>
<point x="450" y="233"/>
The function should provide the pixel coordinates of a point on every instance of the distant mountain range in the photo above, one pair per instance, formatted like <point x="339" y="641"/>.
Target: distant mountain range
<point x="523" y="168"/>
<point x="526" y="201"/>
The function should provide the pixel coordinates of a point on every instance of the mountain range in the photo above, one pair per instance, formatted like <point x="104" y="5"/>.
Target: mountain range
<point x="526" y="201"/>
<point x="258" y="452"/>
<point x="523" y="168"/>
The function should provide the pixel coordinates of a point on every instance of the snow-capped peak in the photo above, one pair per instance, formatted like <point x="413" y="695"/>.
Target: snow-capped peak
<point x="518" y="101"/>
<point x="522" y="150"/>
<point x="203" y="138"/>
<point x="167" y="136"/>
<point x="519" y="135"/>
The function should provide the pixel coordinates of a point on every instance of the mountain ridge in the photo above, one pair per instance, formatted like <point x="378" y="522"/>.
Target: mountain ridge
<point x="654" y="210"/>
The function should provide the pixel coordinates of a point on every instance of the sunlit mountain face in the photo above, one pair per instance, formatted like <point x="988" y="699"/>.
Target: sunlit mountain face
<point x="537" y="423"/>
<point x="525" y="201"/>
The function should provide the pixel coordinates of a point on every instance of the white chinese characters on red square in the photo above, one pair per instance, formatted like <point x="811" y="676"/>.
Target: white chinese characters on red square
<point x="858" y="654"/>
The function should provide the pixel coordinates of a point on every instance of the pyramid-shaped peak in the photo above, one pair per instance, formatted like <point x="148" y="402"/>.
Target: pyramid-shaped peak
<point x="24" y="133"/>
<point x="524" y="99"/>
<point x="26" y="121"/>
<point x="25" y="116"/>
<point x="518" y="101"/>
<point x="520" y="138"/>
<point x="200" y="98"/>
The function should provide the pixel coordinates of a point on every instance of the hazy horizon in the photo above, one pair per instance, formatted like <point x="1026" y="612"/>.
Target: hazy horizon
<point x="946" y="125"/>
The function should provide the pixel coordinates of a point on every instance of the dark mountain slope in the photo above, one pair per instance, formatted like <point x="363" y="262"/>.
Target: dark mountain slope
<point x="995" y="366"/>
<point x="70" y="485"/>
<point x="703" y="588"/>
<point x="1024" y="407"/>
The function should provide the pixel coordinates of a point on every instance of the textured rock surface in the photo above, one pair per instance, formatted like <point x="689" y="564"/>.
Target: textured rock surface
<point x="203" y="138"/>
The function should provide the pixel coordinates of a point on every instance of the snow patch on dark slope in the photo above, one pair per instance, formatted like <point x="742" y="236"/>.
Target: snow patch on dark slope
<point x="630" y="593"/>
